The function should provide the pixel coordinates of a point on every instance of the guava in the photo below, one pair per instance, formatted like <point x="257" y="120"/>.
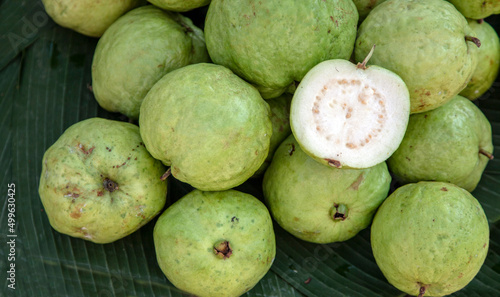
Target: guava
<point x="477" y="9"/>
<point x="88" y="17"/>
<point x="210" y="126"/>
<point x="139" y="49"/>
<point x="179" y="5"/>
<point x="99" y="182"/>
<point x="280" y="119"/>
<point x="215" y="243"/>
<point x="428" y="43"/>
<point x="272" y="44"/>
<point x="321" y="204"/>
<point x="430" y="238"/>
<point x="347" y="115"/>
<point x="365" y="6"/>
<point x="452" y="143"/>
<point x="488" y="60"/>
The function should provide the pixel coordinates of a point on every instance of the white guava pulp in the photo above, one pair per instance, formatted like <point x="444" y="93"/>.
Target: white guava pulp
<point x="348" y="115"/>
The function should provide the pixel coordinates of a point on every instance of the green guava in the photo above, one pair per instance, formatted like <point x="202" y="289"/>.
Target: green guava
<point x="488" y="60"/>
<point x="428" y="43"/>
<point x="321" y="204"/>
<point x="477" y="9"/>
<point x="209" y="125"/>
<point x="88" y="17"/>
<point x="215" y="243"/>
<point x="280" y="119"/>
<point x="179" y="5"/>
<point x="99" y="182"/>
<point x="365" y="6"/>
<point x="430" y="238"/>
<point x="347" y="115"/>
<point x="272" y="44"/>
<point x="452" y="143"/>
<point x="139" y="49"/>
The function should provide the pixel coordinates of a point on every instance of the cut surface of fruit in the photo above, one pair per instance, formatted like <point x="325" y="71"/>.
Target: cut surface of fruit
<point x="348" y="115"/>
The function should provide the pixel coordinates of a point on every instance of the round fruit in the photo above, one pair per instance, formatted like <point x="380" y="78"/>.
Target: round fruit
<point x="477" y="9"/>
<point x="179" y="5"/>
<point x="209" y="125"/>
<point x="428" y="43"/>
<point x="321" y="204"/>
<point x="215" y="243"/>
<point x="88" y="17"/>
<point x="139" y="49"/>
<point x="430" y="238"/>
<point x="99" y="182"/>
<point x="452" y="143"/>
<point x="280" y="119"/>
<point x="272" y="44"/>
<point x="488" y="60"/>
<point x="350" y="115"/>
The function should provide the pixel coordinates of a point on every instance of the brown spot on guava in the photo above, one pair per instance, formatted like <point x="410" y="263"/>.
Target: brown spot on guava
<point x="444" y="189"/>
<point x="408" y="159"/>
<point x="110" y="185"/>
<point x="357" y="182"/>
<point x="334" y="163"/>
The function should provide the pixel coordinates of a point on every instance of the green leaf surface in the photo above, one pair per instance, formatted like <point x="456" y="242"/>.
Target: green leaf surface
<point x="45" y="88"/>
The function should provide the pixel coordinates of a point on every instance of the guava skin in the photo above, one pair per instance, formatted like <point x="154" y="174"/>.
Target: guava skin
<point x="423" y="41"/>
<point x="477" y="9"/>
<point x="179" y="5"/>
<point x="365" y="6"/>
<point x="209" y="125"/>
<point x="488" y="60"/>
<point x="430" y="234"/>
<point x="304" y="195"/>
<point x="88" y="17"/>
<point x="272" y="44"/>
<point x="99" y="182"/>
<point x="139" y="49"/>
<point x="280" y="119"/>
<point x="186" y="233"/>
<point x="444" y="145"/>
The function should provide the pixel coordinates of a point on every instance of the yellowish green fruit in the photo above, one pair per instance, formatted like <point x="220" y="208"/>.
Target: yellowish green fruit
<point x="88" y="17"/>
<point x="99" y="182"/>
<point x="272" y="44"/>
<point x="208" y="124"/>
<point x="215" y="243"/>
<point x="321" y="204"/>
<point x="428" y="43"/>
<point x="452" y="143"/>
<point x="280" y="119"/>
<point x="139" y="49"/>
<point x="430" y="238"/>
<point x="477" y="9"/>
<point x="179" y="5"/>
<point x="488" y="60"/>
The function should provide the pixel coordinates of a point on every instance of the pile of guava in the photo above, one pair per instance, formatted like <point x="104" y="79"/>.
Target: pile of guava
<point x="348" y="114"/>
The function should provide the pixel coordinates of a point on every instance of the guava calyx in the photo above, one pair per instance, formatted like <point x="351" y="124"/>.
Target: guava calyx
<point x="422" y="290"/>
<point x="223" y="250"/>
<point x="339" y="212"/>
<point x="486" y="153"/>
<point x="474" y="40"/>
<point x="110" y="185"/>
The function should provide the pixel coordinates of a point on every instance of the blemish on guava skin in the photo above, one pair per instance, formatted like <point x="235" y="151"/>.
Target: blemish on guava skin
<point x="444" y="189"/>
<point x="334" y="163"/>
<point x="357" y="182"/>
<point x="235" y="219"/>
<point x="291" y="150"/>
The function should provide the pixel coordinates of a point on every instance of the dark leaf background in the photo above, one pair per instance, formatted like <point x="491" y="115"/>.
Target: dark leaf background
<point x="44" y="88"/>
